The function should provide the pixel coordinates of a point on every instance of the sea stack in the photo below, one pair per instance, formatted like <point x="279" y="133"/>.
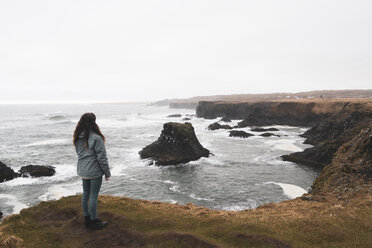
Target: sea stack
<point x="176" y="144"/>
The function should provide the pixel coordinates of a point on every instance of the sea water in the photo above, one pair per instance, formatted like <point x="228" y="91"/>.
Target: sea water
<point x="241" y="173"/>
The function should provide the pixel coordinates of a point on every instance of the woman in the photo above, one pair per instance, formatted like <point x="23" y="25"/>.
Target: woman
<point x="92" y="165"/>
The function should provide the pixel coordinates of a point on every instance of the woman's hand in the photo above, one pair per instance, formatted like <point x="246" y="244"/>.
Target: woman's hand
<point x="107" y="178"/>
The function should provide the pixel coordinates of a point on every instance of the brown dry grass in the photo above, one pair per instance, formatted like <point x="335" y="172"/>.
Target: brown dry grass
<point x="141" y="223"/>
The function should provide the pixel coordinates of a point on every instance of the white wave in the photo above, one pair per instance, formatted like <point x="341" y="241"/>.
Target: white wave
<point x="133" y="121"/>
<point x="49" y="142"/>
<point x="117" y="169"/>
<point x="169" y="182"/>
<point x="63" y="172"/>
<point x="175" y="188"/>
<point x="199" y="198"/>
<point x="284" y="144"/>
<point x="12" y="200"/>
<point x="290" y="190"/>
<point x="249" y="204"/>
<point x="56" y="192"/>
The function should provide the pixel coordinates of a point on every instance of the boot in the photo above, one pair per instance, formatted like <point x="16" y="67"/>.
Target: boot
<point x="87" y="221"/>
<point x="98" y="224"/>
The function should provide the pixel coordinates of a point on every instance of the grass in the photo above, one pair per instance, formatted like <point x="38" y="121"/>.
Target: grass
<point x="141" y="223"/>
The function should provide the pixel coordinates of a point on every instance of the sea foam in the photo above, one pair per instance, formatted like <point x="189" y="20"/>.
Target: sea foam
<point x="290" y="190"/>
<point x="13" y="201"/>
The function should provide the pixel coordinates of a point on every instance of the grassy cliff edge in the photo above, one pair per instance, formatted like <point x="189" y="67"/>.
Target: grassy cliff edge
<point x="141" y="223"/>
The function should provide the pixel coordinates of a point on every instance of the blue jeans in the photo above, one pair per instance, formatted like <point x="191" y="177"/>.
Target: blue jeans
<point x="91" y="189"/>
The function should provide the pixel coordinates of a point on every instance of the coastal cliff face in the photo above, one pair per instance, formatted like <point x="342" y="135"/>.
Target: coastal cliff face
<point x="350" y="172"/>
<point x="341" y="133"/>
<point x="332" y="122"/>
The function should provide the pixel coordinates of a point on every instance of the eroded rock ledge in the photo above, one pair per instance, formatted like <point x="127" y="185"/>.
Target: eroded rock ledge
<point x="332" y="122"/>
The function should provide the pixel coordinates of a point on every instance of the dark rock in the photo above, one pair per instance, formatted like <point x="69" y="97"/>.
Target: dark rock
<point x="1" y="215"/>
<point x="186" y="119"/>
<point x="7" y="173"/>
<point x="317" y="156"/>
<point x="174" y="115"/>
<point x="265" y="113"/>
<point x="176" y="144"/>
<point x="216" y="126"/>
<point x="225" y="119"/>
<point x="269" y="135"/>
<point x="240" y="134"/>
<point x="37" y="171"/>
<point x="260" y="129"/>
<point x="350" y="169"/>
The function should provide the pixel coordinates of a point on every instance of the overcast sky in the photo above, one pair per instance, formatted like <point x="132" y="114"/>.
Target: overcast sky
<point x="149" y="50"/>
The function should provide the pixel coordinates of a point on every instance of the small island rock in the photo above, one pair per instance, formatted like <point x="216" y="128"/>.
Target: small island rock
<point x="260" y="129"/>
<point x="174" y="115"/>
<point x="216" y="126"/>
<point x="269" y="134"/>
<point x="7" y="173"/>
<point x="240" y="134"/>
<point x="176" y="144"/>
<point x="37" y="171"/>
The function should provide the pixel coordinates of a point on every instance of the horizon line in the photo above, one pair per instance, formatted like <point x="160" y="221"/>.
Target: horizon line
<point x="68" y="102"/>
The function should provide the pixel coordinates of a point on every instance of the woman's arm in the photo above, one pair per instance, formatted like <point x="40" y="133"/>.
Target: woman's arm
<point x="100" y="150"/>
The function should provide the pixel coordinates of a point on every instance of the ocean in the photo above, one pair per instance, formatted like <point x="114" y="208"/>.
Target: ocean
<point x="241" y="174"/>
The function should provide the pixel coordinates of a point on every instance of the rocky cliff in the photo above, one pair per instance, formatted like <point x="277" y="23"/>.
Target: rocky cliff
<point x="332" y="122"/>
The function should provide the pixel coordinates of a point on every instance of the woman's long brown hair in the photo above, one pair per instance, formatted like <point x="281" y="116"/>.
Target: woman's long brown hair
<point x="86" y="124"/>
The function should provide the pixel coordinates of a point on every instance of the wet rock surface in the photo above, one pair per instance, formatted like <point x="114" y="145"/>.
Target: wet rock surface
<point x="176" y="144"/>
<point x="174" y="115"/>
<point x="37" y="171"/>
<point x="216" y="126"/>
<point x="269" y="135"/>
<point x="260" y="129"/>
<point x="240" y="134"/>
<point x="7" y="173"/>
<point x="225" y="119"/>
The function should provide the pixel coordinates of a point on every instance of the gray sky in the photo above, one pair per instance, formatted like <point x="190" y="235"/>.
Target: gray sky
<point x="149" y="50"/>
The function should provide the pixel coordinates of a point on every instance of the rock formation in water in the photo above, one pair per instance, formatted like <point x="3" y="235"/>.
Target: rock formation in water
<point x="269" y="135"/>
<point x="240" y="134"/>
<point x="225" y="119"/>
<point x="37" y="171"/>
<point x="216" y="126"/>
<point x="174" y="115"/>
<point x="7" y="173"/>
<point x="260" y="129"/>
<point x="176" y="144"/>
